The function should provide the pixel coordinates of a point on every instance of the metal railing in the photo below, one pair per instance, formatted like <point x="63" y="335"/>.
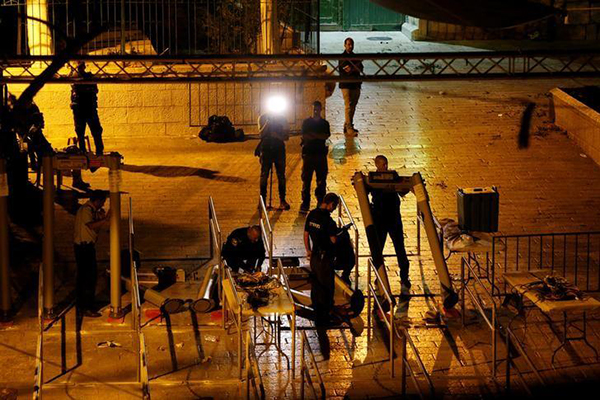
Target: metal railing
<point x="237" y="317"/>
<point x="253" y="375"/>
<point x="405" y="339"/>
<point x="173" y="27"/>
<point x="378" y="67"/>
<point x="136" y="319"/>
<point x="572" y="255"/>
<point x="305" y="369"/>
<point x="39" y="356"/>
<point x="267" y="232"/>
<point x="216" y="246"/>
<point x="372" y="295"/>
<point x="348" y="219"/>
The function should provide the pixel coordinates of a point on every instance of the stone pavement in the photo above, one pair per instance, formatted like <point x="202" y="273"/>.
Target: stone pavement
<point x="457" y="134"/>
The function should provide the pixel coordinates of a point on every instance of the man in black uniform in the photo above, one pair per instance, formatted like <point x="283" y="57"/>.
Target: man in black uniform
<point x="271" y="150"/>
<point x="321" y="230"/>
<point x="350" y="90"/>
<point x="387" y="219"/>
<point x="315" y="131"/>
<point x="244" y="249"/>
<point x="84" y="102"/>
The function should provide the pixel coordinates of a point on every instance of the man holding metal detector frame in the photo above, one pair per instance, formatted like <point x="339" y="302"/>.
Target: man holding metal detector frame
<point x="274" y="131"/>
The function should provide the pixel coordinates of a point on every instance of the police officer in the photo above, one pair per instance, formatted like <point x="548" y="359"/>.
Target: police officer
<point x="244" y="249"/>
<point x="320" y="230"/>
<point x="351" y="68"/>
<point x="387" y="218"/>
<point x="84" y="103"/>
<point x="315" y="131"/>
<point x="271" y="150"/>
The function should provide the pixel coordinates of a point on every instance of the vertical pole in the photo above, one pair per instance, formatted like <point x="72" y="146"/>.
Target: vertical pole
<point x="114" y="177"/>
<point x="403" y="365"/>
<point x="122" y="26"/>
<point x="302" y="367"/>
<point x="48" y="247"/>
<point x="5" y="301"/>
<point x="269" y="25"/>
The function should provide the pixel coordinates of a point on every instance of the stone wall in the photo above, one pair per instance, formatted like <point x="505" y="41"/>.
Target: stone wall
<point x="581" y="122"/>
<point x="175" y="110"/>
<point x="578" y="25"/>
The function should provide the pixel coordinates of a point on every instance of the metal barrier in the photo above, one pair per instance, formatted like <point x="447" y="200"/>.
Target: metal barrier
<point x="238" y="320"/>
<point x="372" y="294"/>
<point x="216" y="246"/>
<point x="305" y="370"/>
<point x="136" y="318"/>
<point x="253" y="370"/>
<point x="405" y="338"/>
<point x="267" y="232"/>
<point x="283" y="278"/>
<point x="378" y="67"/>
<point x="39" y="357"/>
<point x="343" y="210"/>
<point x="572" y="255"/>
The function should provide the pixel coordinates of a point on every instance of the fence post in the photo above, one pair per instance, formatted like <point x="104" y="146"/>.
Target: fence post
<point x="6" y="300"/>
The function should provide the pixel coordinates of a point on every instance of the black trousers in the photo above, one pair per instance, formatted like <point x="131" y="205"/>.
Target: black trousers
<point x="88" y="116"/>
<point x="323" y="286"/>
<point x="87" y="275"/>
<point x="392" y="224"/>
<point x="267" y="159"/>
<point x="314" y="163"/>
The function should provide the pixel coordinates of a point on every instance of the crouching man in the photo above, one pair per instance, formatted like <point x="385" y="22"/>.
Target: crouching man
<point x="244" y="249"/>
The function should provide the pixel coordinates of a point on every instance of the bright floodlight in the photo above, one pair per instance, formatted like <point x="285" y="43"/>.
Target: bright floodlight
<point x="276" y="104"/>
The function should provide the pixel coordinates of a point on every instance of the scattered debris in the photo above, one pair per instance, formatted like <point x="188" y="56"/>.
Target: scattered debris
<point x="582" y="155"/>
<point x="108" y="343"/>
<point x="441" y="185"/>
<point x="441" y="92"/>
<point x="499" y="115"/>
<point x="211" y="338"/>
<point x="179" y="345"/>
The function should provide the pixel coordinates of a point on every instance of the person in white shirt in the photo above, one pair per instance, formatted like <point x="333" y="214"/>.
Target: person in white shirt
<point x="90" y="219"/>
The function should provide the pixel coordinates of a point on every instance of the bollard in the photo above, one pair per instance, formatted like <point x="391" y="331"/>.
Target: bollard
<point x="48" y="248"/>
<point x="114" y="178"/>
<point x="5" y="294"/>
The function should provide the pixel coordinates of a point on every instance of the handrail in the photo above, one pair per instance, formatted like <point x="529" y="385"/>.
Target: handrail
<point x="266" y="230"/>
<point x="251" y="366"/>
<point x="343" y="206"/>
<point x="235" y="293"/>
<point x="39" y="361"/>
<point x="214" y="226"/>
<point x="406" y="338"/>
<point x="285" y="281"/>
<point x="305" y="372"/>
<point x="373" y="294"/>
<point x="136" y="320"/>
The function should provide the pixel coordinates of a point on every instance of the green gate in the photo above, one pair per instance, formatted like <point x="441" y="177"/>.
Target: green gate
<point x="358" y="15"/>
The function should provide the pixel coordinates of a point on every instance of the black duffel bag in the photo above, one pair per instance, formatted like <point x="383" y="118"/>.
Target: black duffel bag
<point x="220" y="130"/>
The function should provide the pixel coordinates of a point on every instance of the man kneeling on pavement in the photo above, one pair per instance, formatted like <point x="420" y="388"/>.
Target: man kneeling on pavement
<point x="244" y="249"/>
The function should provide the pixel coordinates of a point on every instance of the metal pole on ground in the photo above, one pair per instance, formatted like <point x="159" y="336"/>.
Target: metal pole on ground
<point x="6" y="300"/>
<point x="114" y="177"/>
<point x="48" y="247"/>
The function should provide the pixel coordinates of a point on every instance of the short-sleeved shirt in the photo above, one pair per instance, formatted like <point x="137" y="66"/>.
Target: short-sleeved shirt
<point x="314" y="135"/>
<point x="320" y="227"/>
<point x="83" y="233"/>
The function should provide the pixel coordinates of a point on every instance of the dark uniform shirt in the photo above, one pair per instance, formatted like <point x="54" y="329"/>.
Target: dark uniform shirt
<point x="273" y="136"/>
<point x="84" y="95"/>
<point x="386" y="205"/>
<point x="239" y="245"/>
<point x="314" y="134"/>
<point x="320" y="227"/>
<point x="356" y="68"/>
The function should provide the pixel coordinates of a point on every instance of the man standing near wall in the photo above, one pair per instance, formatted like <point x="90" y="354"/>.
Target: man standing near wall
<point x="315" y="131"/>
<point x="90" y="218"/>
<point x="271" y="150"/>
<point x="84" y="103"/>
<point x="350" y="90"/>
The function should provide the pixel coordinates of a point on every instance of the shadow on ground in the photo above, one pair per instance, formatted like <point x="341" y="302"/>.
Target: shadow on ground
<point x="171" y="171"/>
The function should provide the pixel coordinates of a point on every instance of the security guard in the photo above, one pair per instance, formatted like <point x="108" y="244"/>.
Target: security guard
<point x="84" y="103"/>
<point x="244" y="249"/>
<point x="315" y="131"/>
<point x="321" y="230"/>
<point x="387" y="218"/>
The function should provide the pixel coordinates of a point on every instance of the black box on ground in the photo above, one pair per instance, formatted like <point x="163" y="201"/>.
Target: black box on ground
<point x="478" y="209"/>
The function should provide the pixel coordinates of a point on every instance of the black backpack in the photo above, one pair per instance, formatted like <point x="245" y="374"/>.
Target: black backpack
<point x="220" y="130"/>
